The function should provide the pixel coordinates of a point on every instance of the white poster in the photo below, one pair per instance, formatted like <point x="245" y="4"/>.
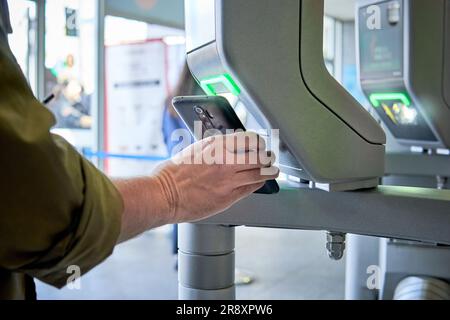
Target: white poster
<point x="136" y="89"/>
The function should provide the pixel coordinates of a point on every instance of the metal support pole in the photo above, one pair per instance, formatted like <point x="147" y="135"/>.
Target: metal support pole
<point x="40" y="56"/>
<point x="99" y="93"/>
<point x="206" y="262"/>
<point x="362" y="262"/>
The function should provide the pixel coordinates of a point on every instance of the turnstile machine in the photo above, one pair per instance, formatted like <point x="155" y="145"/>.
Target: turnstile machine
<point x="404" y="72"/>
<point x="269" y="54"/>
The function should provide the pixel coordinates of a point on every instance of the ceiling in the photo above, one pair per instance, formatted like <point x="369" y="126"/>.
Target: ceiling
<point x="165" y="12"/>
<point x="171" y="12"/>
<point x="341" y="9"/>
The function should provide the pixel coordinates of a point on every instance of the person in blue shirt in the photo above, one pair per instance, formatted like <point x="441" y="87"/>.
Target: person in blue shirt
<point x="187" y="86"/>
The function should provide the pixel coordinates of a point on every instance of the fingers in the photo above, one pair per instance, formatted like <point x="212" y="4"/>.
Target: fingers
<point x="215" y="154"/>
<point x="242" y="151"/>
<point x="245" y="191"/>
<point x="244" y="141"/>
<point x="253" y="159"/>
<point x="195" y="153"/>
<point x="255" y="176"/>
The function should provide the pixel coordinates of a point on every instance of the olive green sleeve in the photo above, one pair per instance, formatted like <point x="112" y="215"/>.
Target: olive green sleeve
<point x="56" y="209"/>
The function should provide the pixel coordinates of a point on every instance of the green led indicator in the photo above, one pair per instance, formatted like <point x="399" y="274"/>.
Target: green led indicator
<point x="208" y="85"/>
<point x="376" y="98"/>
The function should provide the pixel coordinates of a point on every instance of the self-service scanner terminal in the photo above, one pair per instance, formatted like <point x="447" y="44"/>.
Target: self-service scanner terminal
<point x="403" y="63"/>
<point x="269" y="54"/>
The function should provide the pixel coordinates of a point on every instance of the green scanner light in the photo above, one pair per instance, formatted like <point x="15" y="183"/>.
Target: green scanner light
<point x="377" y="98"/>
<point x="208" y="84"/>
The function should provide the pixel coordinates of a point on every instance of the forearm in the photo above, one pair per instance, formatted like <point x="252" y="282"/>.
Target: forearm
<point x="180" y="191"/>
<point x="145" y="206"/>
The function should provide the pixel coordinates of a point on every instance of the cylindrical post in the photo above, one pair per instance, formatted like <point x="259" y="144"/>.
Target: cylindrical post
<point x="362" y="256"/>
<point x="422" y="288"/>
<point x="206" y="262"/>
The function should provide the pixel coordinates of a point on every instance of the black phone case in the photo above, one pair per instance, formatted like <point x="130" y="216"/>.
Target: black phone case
<point x="219" y="115"/>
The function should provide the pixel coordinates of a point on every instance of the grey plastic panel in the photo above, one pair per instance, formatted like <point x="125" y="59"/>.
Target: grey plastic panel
<point x="321" y="84"/>
<point x="391" y="212"/>
<point x="328" y="142"/>
<point x="206" y="62"/>
<point x="263" y="57"/>
<point x="411" y="164"/>
<point x="426" y="63"/>
<point x="426" y="75"/>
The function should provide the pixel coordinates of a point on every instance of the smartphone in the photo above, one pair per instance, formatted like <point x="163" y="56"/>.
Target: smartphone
<point x="214" y="113"/>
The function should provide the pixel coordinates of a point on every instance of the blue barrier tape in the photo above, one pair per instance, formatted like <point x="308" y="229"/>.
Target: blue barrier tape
<point x="105" y="155"/>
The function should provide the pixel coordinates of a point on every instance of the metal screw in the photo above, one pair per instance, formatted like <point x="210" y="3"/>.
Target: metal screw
<point x="335" y="245"/>
<point x="442" y="182"/>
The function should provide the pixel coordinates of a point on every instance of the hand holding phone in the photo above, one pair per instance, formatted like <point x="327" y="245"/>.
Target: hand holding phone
<point x="216" y="116"/>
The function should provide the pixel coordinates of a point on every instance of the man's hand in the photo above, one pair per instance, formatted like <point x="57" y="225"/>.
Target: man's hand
<point x="205" y="179"/>
<point x="213" y="174"/>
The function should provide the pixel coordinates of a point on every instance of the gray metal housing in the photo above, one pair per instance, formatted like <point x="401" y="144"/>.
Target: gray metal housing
<point x="273" y="50"/>
<point x="426" y="65"/>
